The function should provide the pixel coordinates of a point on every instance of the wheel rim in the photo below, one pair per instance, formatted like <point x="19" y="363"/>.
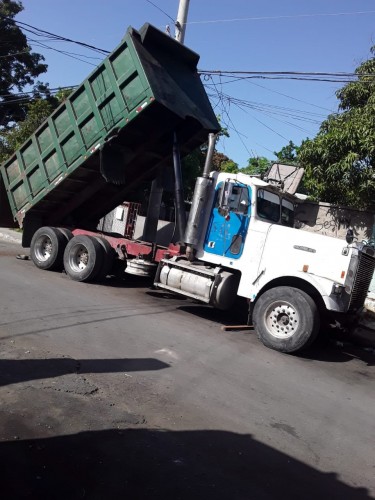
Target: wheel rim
<point x="43" y="248"/>
<point x="282" y="320"/>
<point x="78" y="258"/>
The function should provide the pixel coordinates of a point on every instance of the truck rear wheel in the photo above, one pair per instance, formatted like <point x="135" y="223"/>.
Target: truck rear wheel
<point x="286" y="319"/>
<point x="47" y="248"/>
<point x="83" y="258"/>
<point x="108" y="256"/>
<point x="68" y="235"/>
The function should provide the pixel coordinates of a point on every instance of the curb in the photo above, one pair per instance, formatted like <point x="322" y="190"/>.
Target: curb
<point x="13" y="238"/>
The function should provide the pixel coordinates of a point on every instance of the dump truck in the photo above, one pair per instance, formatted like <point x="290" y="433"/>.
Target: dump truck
<point x="128" y="124"/>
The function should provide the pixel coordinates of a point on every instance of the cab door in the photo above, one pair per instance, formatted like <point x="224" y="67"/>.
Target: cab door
<point x="229" y="220"/>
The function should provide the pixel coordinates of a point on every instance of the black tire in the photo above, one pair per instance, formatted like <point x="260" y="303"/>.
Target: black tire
<point x="108" y="257"/>
<point x="286" y="319"/>
<point x="68" y="235"/>
<point x="83" y="258"/>
<point x="47" y="248"/>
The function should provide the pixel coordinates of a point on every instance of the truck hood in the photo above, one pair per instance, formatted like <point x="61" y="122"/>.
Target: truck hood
<point x="291" y="251"/>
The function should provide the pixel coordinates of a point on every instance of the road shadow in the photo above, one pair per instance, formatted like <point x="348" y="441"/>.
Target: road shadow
<point x="164" y="294"/>
<point x="331" y="346"/>
<point x="215" y="315"/>
<point x="338" y="350"/>
<point x="13" y="371"/>
<point x="236" y="315"/>
<point x="126" y="281"/>
<point x="156" y="464"/>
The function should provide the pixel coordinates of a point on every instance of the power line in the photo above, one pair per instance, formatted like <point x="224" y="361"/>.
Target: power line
<point x="161" y="10"/>
<point x="284" y="73"/>
<point x="65" y="53"/>
<point x="40" y="42"/>
<point x="269" y="128"/>
<point x="32" y="91"/>
<point x="233" y="80"/>
<point x="27" y="97"/>
<point x="273" y="107"/>
<point x="290" y="97"/>
<point x="341" y="77"/>
<point x="38" y="31"/>
<point x="271" y="18"/>
<point x="272" y="111"/>
<point x="230" y="120"/>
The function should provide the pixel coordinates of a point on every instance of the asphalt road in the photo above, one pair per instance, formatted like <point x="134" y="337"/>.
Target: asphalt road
<point x="123" y="392"/>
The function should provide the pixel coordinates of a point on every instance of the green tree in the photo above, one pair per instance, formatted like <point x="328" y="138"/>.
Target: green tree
<point x="257" y="165"/>
<point x="192" y="167"/>
<point x="229" y="166"/>
<point x="193" y="164"/>
<point x="222" y="163"/>
<point x="12" y="139"/>
<point x="288" y="154"/>
<point x="36" y="112"/>
<point x="339" y="161"/>
<point x="19" y="65"/>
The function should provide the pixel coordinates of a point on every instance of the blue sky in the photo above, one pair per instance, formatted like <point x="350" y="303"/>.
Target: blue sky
<point x="242" y="35"/>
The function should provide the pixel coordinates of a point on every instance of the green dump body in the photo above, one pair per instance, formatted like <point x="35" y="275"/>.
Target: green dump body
<point x="110" y="136"/>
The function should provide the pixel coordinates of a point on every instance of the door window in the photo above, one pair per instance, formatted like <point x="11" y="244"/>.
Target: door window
<point x="268" y="205"/>
<point x="287" y="213"/>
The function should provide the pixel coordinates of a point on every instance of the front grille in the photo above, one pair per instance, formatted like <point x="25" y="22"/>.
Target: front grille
<point x="361" y="285"/>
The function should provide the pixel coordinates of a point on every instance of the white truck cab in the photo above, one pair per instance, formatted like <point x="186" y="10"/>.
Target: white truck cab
<point x="245" y="245"/>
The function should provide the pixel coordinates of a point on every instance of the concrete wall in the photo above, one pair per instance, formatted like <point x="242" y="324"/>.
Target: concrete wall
<point x="331" y="220"/>
<point x="334" y="221"/>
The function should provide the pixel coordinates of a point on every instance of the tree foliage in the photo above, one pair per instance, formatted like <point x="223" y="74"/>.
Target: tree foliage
<point x="339" y="161"/>
<point x="192" y="167"/>
<point x="19" y="66"/>
<point x="288" y="154"/>
<point x="12" y="139"/>
<point x="37" y="111"/>
<point x="257" y="165"/>
<point x="229" y="166"/>
<point x="193" y="164"/>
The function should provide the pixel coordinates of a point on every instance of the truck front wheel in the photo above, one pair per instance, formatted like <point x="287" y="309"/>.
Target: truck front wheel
<point x="286" y="319"/>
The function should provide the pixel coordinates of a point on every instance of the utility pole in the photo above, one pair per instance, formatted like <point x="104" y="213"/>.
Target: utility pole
<point x="181" y="20"/>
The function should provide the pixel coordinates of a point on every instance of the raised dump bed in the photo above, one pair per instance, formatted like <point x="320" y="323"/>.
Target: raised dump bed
<point x="110" y="135"/>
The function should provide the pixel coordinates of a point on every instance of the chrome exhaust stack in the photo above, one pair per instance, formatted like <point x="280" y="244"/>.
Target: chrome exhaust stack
<point x="193" y="228"/>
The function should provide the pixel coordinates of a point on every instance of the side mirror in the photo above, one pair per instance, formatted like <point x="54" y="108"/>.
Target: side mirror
<point x="224" y="198"/>
<point x="349" y="236"/>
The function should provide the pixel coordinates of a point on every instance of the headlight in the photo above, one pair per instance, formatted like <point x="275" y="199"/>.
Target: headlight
<point x="337" y="289"/>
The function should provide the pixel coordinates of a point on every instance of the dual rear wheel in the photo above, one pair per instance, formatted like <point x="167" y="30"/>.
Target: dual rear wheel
<point x="84" y="258"/>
